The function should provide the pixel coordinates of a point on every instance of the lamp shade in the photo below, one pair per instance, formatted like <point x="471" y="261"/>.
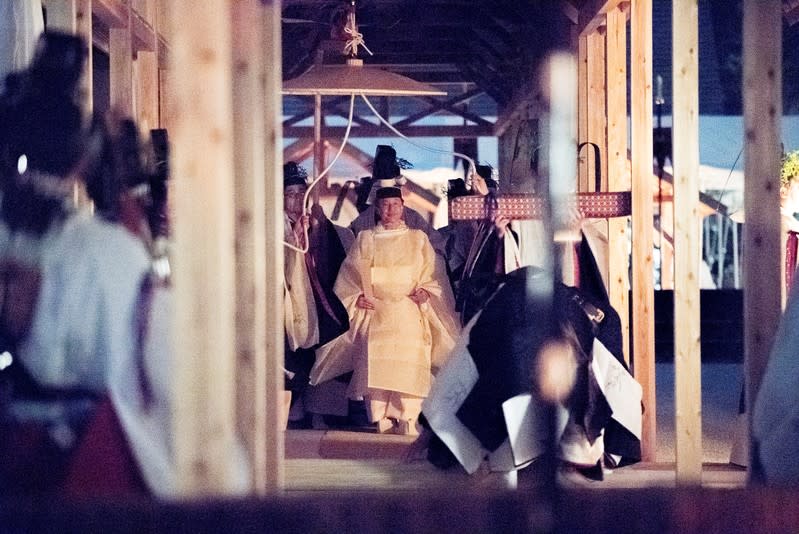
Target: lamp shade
<point x="355" y="78"/>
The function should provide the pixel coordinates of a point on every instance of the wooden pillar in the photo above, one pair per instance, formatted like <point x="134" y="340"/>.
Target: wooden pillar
<point x="618" y="176"/>
<point x="165" y="106"/>
<point x="583" y="173"/>
<point x="75" y="16"/>
<point x="643" y="320"/>
<point x="687" y="242"/>
<point x="146" y="96"/>
<point x="248" y="139"/>
<point x="762" y="70"/>
<point x="318" y="145"/>
<point x="120" y="58"/>
<point x="597" y="109"/>
<point x="273" y="113"/>
<point x="204" y="271"/>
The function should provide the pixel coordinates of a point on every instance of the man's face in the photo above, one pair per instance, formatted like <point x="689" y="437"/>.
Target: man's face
<point x="292" y="200"/>
<point x="390" y="211"/>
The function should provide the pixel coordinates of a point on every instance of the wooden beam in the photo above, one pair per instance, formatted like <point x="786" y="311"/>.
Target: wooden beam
<point x="203" y="406"/>
<point x="762" y="241"/>
<point x="597" y="110"/>
<point x="273" y="110"/>
<point x="299" y="150"/>
<point x="523" y="102"/>
<point x="382" y="131"/>
<point x="571" y="12"/>
<point x="618" y="175"/>
<point x="582" y="112"/>
<point x="592" y="14"/>
<point x="448" y="105"/>
<point x="643" y="305"/>
<point x="143" y="35"/>
<point x="146" y="91"/>
<point x="120" y="58"/>
<point x="687" y="242"/>
<point x="251" y="254"/>
<point x="146" y="9"/>
<point x="111" y="13"/>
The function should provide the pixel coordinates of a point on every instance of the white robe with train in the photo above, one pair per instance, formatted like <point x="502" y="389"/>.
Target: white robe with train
<point x="395" y="346"/>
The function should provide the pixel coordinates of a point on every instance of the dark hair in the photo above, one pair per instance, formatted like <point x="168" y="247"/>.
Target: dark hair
<point x="116" y="168"/>
<point x="42" y="121"/>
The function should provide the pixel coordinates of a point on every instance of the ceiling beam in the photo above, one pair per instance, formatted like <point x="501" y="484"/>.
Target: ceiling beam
<point x="112" y="13"/>
<point x="592" y="14"/>
<point x="447" y="105"/>
<point x="383" y="131"/>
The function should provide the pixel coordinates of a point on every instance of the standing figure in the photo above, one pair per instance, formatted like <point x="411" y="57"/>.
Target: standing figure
<point x="314" y="315"/>
<point x="402" y="321"/>
<point x="481" y="252"/>
<point x="386" y="173"/>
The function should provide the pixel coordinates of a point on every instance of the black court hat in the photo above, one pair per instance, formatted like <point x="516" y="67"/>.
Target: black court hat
<point x="293" y="174"/>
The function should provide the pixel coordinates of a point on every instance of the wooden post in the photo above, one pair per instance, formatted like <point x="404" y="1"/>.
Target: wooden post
<point x="597" y="110"/>
<point x="120" y="58"/>
<point x="273" y="112"/>
<point x="583" y="173"/>
<point x="248" y="140"/>
<point x="204" y="271"/>
<point x="75" y="16"/>
<point x="618" y="177"/>
<point x="687" y="243"/>
<point x="145" y="75"/>
<point x="643" y="323"/>
<point x="762" y="69"/>
<point x="318" y="144"/>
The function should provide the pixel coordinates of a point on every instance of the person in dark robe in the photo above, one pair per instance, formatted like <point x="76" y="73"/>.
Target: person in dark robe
<point x="314" y="314"/>
<point x="486" y="405"/>
<point x="481" y="252"/>
<point x="386" y="172"/>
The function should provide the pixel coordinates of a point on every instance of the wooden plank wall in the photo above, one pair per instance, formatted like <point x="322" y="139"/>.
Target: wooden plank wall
<point x="687" y="241"/>
<point x="643" y="305"/>
<point x="762" y="79"/>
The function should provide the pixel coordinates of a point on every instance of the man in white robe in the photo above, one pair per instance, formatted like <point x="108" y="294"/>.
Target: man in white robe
<point x="402" y="321"/>
<point x="314" y="314"/>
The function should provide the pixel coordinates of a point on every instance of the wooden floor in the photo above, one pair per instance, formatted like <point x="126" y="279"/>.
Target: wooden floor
<point x="345" y="482"/>
<point x="340" y="460"/>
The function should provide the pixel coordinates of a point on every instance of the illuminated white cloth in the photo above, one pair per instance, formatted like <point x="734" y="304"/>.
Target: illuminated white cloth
<point x="401" y="340"/>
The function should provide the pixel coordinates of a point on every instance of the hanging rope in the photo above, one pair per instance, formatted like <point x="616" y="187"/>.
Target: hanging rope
<point x="306" y="208"/>
<point x="356" y="37"/>
<point x="472" y="168"/>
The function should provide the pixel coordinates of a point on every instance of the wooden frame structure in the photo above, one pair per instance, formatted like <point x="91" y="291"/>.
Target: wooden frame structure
<point x="228" y="204"/>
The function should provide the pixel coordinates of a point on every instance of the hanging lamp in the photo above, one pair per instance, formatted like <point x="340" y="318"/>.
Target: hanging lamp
<point x="353" y="77"/>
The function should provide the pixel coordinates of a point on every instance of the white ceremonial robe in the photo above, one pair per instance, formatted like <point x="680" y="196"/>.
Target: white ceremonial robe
<point x="396" y="346"/>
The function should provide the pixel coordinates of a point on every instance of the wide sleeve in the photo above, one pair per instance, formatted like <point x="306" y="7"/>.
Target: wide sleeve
<point x="354" y="275"/>
<point x="299" y="305"/>
<point x="440" y="309"/>
<point x="337" y="356"/>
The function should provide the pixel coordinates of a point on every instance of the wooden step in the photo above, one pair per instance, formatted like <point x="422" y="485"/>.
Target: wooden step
<point x="342" y="444"/>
